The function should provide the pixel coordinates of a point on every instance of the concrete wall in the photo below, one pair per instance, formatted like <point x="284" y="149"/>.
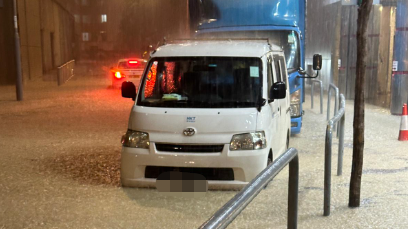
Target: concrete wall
<point x="7" y="52"/>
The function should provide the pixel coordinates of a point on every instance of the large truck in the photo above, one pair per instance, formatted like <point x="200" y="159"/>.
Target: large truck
<point x="281" y="21"/>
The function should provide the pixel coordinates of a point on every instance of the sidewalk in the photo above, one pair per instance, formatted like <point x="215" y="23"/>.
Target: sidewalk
<point x="60" y="151"/>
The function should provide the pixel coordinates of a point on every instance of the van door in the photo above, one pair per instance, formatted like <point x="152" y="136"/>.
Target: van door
<point x="274" y="107"/>
<point x="282" y="105"/>
<point x="284" y="102"/>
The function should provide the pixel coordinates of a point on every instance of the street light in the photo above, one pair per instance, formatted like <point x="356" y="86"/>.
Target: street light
<point x="19" y="78"/>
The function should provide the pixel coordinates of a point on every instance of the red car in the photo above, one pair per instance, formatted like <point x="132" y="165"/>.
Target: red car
<point x="127" y="70"/>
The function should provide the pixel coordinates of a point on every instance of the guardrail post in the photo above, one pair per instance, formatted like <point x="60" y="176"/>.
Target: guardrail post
<point x="227" y="213"/>
<point x="341" y="145"/>
<point x="336" y="102"/>
<point x="321" y="97"/>
<point x="328" y="104"/>
<point x="59" y="75"/>
<point x="340" y="118"/>
<point x="293" y="192"/>
<point x="65" y="72"/>
<point x="312" y="95"/>
<point x="327" y="169"/>
<point x="321" y="94"/>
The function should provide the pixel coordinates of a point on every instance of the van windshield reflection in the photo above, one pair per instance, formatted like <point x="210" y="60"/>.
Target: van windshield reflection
<point x="202" y="82"/>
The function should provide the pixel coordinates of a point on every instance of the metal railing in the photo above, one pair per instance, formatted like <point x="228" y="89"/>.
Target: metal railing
<point x="340" y="118"/>
<point x="321" y="94"/>
<point x="336" y="101"/>
<point x="227" y="213"/>
<point x="65" y="72"/>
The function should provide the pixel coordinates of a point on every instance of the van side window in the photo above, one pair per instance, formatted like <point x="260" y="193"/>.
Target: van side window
<point x="283" y="69"/>
<point x="277" y="68"/>
<point x="270" y="76"/>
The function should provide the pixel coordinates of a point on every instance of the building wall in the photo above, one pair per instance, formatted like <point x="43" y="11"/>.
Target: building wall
<point x="40" y="54"/>
<point x="322" y="31"/>
<point x="380" y="35"/>
<point x="57" y="34"/>
<point x="331" y="31"/>
<point x="7" y="51"/>
<point x="30" y="24"/>
<point x="130" y="28"/>
<point x="146" y="23"/>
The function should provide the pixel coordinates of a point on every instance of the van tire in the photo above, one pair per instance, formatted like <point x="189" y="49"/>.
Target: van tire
<point x="270" y="158"/>
<point x="287" y="141"/>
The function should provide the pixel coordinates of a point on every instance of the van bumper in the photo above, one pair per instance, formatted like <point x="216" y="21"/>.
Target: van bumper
<point x="245" y="165"/>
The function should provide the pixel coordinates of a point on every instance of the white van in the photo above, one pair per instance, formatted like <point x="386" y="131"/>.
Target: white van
<point x="219" y="108"/>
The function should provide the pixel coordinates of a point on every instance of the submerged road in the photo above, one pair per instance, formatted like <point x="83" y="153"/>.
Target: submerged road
<point x="59" y="168"/>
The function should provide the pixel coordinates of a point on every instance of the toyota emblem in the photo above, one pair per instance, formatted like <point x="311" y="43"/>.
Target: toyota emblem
<point x="189" y="132"/>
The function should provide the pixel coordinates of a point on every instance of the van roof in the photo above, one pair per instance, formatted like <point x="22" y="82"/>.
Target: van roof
<point x="226" y="47"/>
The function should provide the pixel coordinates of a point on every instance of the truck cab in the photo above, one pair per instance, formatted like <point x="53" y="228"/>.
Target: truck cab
<point x="218" y="108"/>
<point x="282" y="22"/>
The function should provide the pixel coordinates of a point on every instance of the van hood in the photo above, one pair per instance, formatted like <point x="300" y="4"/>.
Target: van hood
<point x="211" y="126"/>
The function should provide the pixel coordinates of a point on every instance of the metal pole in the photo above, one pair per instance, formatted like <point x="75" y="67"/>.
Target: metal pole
<point x="341" y="145"/>
<point x="336" y="106"/>
<point x="328" y="104"/>
<point x="327" y="169"/>
<point x="59" y="75"/>
<point x="321" y="97"/>
<point x="227" y="213"/>
<point x="19" y="78"/>
<point x="321" y="94"/>
<point x="293" y="192"/>
<point x="312" y="92"/>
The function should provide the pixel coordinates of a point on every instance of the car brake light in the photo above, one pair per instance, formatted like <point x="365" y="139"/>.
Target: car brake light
<point x="132" y="62"/>
<point x="118" y="75"/>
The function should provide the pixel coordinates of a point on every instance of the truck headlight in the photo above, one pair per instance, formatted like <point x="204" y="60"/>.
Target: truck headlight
<point x="295" y="104"/>
<point x="136" y="139"/>
<point x="248" y="141"/>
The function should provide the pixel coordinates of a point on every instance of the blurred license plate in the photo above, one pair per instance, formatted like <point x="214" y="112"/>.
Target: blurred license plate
<point x="177" y="182"/>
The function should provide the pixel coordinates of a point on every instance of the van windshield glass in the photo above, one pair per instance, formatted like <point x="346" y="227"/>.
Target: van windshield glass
<point x="202" y="82"/>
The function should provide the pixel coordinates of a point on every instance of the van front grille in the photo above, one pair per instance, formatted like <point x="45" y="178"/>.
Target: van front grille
<point x="222" y="174"/>
<point x="189" y="148"/>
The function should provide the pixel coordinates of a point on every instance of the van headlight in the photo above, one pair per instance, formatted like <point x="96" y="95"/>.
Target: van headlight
<point x="136" y="139"/>
<point x="248" y="141"/>
<point x="295" y="104"/>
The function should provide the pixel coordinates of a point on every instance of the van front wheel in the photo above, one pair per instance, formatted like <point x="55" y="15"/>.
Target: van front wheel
<point x="270" y="158"/>
<point x="287" y="141"/>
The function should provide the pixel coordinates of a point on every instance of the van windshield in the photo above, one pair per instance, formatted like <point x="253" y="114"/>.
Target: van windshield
<point x="202" y="82"/>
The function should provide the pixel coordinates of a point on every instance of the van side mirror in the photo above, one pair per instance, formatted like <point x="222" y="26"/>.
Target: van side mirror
<point x="317" y="62"/>
<point x="278" y="90"/>
<point x="128" y="90"/>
